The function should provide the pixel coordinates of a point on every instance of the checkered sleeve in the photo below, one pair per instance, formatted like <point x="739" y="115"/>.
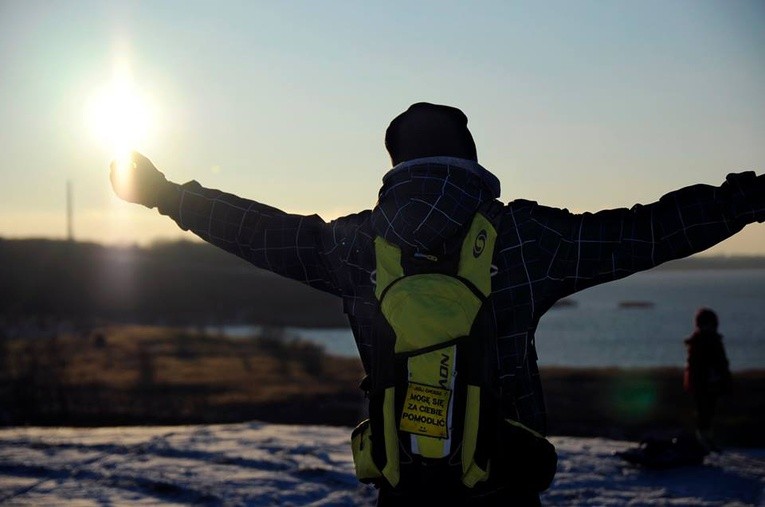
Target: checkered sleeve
<point x="287" y="244"/>
<point x="592" y="248"/>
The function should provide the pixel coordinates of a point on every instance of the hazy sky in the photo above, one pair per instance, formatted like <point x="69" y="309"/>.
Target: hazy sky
<point x="578" y="104"/>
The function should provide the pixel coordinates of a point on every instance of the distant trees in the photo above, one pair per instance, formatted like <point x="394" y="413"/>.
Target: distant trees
<point x="169" y="283"/>
<point x="188" y="283"/>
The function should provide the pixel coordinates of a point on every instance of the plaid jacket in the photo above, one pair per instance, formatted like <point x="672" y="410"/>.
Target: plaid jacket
<point x="542" y="255"/>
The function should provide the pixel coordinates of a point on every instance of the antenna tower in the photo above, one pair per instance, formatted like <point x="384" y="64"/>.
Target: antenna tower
<point x="69" y="212"/>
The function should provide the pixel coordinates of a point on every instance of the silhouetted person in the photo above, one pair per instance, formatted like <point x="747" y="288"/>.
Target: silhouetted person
<point x="430" y="196"/>
<point x="707" y="374"/>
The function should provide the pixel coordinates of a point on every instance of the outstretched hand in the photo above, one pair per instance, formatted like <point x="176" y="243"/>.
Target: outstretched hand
<point x="136" y="180"/>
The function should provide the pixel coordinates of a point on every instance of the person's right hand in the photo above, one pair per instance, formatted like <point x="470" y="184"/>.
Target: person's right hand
<point x="137" y="180"/>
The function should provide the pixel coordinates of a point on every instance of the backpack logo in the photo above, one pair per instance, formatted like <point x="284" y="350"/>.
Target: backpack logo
<point x="443" y="371"/>
<point x="480" y="243"/>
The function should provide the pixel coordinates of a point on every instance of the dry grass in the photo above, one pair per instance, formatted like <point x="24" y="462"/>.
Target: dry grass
<point x="164" y="375"/>
<point x="147" y="375"/>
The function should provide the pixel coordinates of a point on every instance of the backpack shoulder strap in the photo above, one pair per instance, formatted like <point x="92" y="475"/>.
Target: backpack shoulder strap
<point x="477" y="251"/>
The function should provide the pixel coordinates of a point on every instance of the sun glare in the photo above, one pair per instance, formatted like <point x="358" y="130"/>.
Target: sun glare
<point x="120" y="116"/>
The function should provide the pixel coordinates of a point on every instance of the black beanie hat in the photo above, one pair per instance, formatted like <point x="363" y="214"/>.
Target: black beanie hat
<point x="429" y="130"/>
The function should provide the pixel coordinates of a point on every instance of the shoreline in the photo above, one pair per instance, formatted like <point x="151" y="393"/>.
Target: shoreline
<point x="136" y="375"/>
<point x="613" y="403"/>
<point x="634" y="403"/>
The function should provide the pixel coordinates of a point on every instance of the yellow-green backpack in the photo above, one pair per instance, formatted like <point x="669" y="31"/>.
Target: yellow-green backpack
<point x="431" y="385"/>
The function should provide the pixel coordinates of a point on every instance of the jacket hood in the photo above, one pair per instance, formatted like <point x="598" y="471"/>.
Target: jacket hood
<point x="425" y="201"/>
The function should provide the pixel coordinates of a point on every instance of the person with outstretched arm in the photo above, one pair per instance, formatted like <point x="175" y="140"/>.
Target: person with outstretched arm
<point x="429" y="196"/>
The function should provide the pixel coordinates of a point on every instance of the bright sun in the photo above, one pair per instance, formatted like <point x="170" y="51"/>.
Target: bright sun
<point x="120" y="116"/>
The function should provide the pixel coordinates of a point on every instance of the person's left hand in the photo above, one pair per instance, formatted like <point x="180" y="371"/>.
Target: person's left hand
<point x="137" y="180"/>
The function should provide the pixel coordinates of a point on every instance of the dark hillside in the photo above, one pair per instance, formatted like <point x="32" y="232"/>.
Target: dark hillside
<point x="182" y="282"/>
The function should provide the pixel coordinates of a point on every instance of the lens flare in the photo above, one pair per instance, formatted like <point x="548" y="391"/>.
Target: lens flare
<point x="633" y="397"/>
<point x="120" y="115"/>
<point x="120" y="170"/>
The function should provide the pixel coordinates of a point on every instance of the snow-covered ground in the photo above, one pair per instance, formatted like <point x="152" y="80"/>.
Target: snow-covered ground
<point x="268" y="464"/>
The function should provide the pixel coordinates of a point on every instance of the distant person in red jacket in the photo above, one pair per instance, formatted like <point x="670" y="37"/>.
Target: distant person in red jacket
<point x="707" y="374"/>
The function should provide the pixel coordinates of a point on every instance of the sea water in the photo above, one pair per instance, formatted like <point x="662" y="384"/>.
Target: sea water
<point x="599" y="330"/>
<point x="639" y="321"/>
